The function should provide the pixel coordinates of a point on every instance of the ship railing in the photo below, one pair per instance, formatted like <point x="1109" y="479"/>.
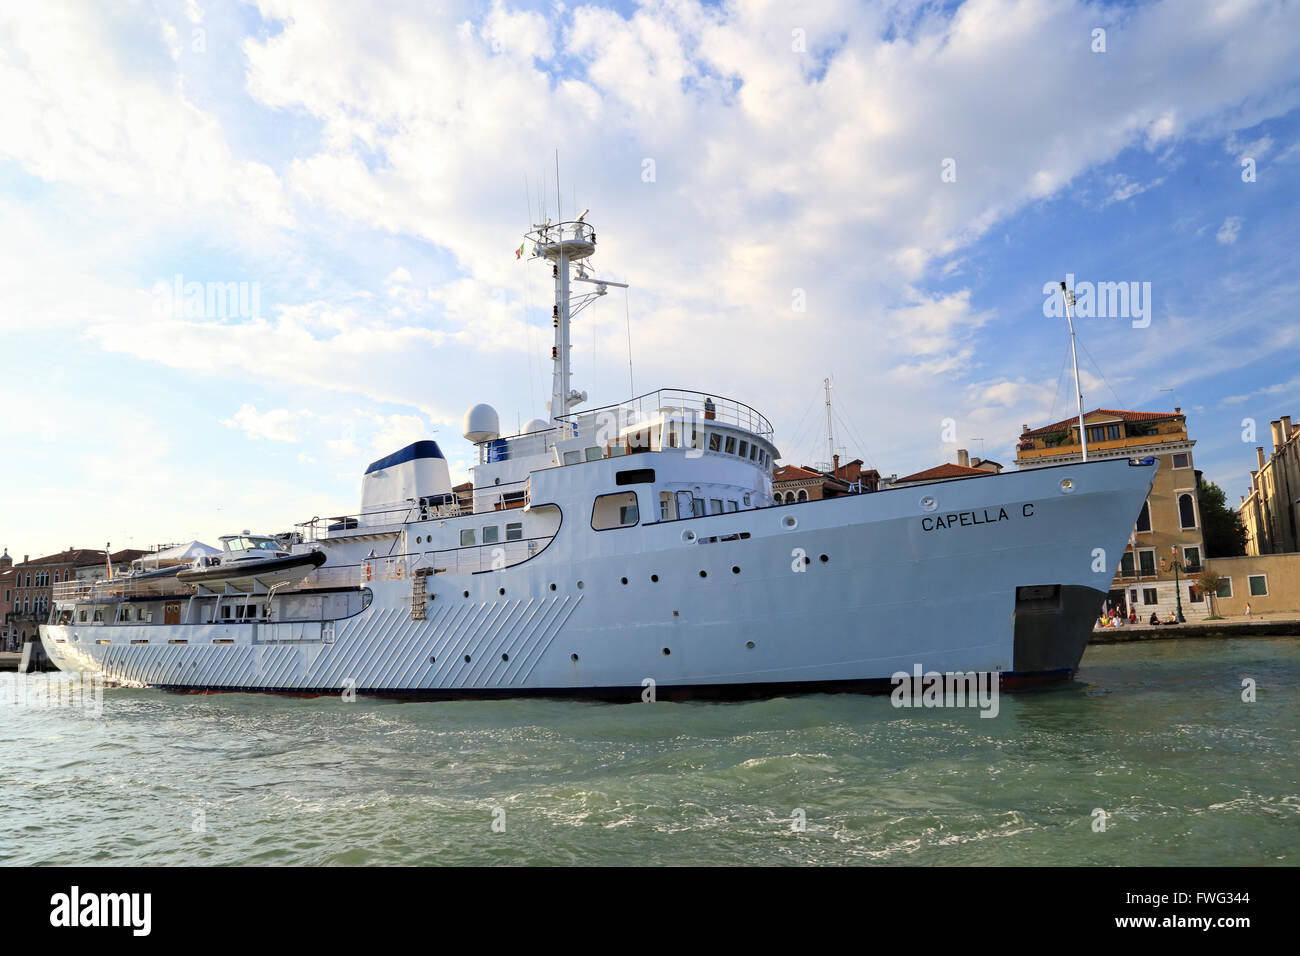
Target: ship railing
<point x="329" y="576"/>
<point x="679" y="403"/>
<point x="470" y="559"/>
<point x="433" y="506"/>
<point x="116" y="589"/>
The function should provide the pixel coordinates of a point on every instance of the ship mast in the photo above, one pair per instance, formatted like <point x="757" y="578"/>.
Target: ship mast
<point x="566" y="245"/>
<point x="1068" y="296"/>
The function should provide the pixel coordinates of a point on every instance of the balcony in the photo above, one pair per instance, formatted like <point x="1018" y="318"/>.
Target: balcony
<point x="1072" y="448"/>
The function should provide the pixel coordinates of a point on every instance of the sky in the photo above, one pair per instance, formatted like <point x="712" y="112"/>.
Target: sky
<point x="878" y="193"/>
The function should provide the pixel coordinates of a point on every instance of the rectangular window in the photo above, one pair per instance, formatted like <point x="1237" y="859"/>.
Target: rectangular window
<point x="1147" y="561"/>
<point x="753" y="452"/>
<point x="635" y="476"/>
<point x="572" y="457"/>
<point x="1193" y="594"/>
<point x="615" y="511"/>
<point x="715" y="441"/>
<point x="731" y="445"/>
<point x="1098" y="433"/>
<point x="744" y="449"/>
<point x="1258" y="585"/>
<point x="594" y="454"/>
<point x="514" y="531"/>
<point x="1126" y="564"/>
<point x="1225" y="588"/>
<point x="715" y="506"/>
<point x="466" y="537"/>
<point x="1133" y="596"/>
<point x="1144" y="517"/>
<point x="1149" y="596"/>
<point x="666" y="510"/>
<point x="1192" y="559"/>
<point x="491" y="534"/>
<point x="1182" y="461"/>
<point x="697" y="505"/>
<point x="732" y="506"/>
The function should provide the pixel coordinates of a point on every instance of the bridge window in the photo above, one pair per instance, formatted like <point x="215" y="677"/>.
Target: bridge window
<point x="635" y="476"/>
<point x="466" y="537"/>
<point x="491" y="534"/>
<point x="731" y="445"/>
<point x="715" y="506"/>
<point x="744" y="449"/>
<point x="594" y="454"/>
<point x="615" y="511"/>
<point x="715" y="441"/>
<point x="514" y="531"/>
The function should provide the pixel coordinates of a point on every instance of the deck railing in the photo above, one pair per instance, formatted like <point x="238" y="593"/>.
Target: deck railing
<point x="494" y="556"/>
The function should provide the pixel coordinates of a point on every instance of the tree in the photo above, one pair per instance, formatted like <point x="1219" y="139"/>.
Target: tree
<point x="1208" y="583"/>
<point x="1223" y="533"/>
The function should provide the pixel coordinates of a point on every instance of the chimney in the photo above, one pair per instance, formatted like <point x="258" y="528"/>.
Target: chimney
<point x="1286" y="428"/>
<point x="1023" y="429"/>
<point x="963" y="457"/>
<point x="974" y="462"/>
<point x="1259" y="456"/>
<point x="1275" y="426"/>
<point x="1177" y="410"/>
<point x="25" y="557"/>
<point x="836" y="466"/>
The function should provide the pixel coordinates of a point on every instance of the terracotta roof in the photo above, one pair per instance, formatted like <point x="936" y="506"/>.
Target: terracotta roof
<point x="943" y="471"/>
<point x="83" y="557"/>
<point x="1117" y="413"/>
<point x="795" y="473"/>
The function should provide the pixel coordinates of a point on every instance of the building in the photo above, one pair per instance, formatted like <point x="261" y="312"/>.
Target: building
<point x="791" y="483"/>
<point x="1168" y="528"/>
<point x="7" y="593"/>
<point x="965" y="467"/>
<point x="1269" y="583"/>
<point x="34" y="581"/>
<point x="1271" y="511"/>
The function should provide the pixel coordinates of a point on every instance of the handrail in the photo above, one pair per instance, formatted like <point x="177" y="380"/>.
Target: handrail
<point x="467" y="559"/>
<point x="706" y="406"/>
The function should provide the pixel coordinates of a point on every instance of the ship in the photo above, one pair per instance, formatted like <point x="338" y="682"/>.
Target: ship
<point x="626" y="552"/>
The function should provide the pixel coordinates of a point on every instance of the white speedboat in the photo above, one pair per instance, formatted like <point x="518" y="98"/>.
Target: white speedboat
<point x="250" y="563"/>
<point x="605" y="551"/>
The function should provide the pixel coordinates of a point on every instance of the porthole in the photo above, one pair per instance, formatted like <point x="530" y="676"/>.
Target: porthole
<point x="505" y="657"/>
<point x="624" y="580"/>
<point x="1067" y="486"/>
<point x="417" y="539"/>
<point x="704" y="574"/>
<point x="466" y="658"/>
<point x="735" y="569"/>
<point x="654" y="578"/>
<point x="929" y="503"/>
<point x="789" y="522"/>
<point x="750" y="645"/>
<point x="433" y="659"/>
<point x="688" y="536"/>
<point x="579" y="585"/>
<point x="466" y="594"/>
<point x="552" y="587"/>
<point x="501" y="591"/>
<point x="574" y="658"/>
<point x="824" y="558"/>
<point x="807" y="560"/>
<point x="667" y="652"/>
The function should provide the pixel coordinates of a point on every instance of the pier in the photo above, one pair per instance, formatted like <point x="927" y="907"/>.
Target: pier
<point x="1281" y="625"/>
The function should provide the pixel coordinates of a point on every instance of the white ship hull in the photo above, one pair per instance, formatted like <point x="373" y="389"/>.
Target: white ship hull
<point x="758" y="611"/>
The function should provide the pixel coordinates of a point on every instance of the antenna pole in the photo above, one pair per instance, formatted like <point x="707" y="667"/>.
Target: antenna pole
<point x="1068" y="296"/>
<point x="830" y="435"/>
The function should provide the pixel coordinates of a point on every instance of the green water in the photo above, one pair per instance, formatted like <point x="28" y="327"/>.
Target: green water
<point x="1155" y="734"/>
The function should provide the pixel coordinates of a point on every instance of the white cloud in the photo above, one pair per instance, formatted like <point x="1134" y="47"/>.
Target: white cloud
<point x="278" y="424"/>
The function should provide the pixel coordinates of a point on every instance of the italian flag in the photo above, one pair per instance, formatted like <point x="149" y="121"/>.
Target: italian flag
<point x="520" y="251"/>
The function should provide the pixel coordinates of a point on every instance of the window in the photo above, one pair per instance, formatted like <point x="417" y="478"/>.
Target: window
<point x="515" y="531"/>
<point x="491" y="534"/>
<point x="744" y="449"/>
<point x="732" y="506"/>
<point x="803" y="494"/>
<point x="1149" y="596"/>
<point x="731" y="445"/>
<point x="1144" y="517"/>
<point x="1103" y="433"/>
<point x="1192" y="558"/>
<point x="753" y="452"/>
<point x="466" y="537"/>
<point x="635" y="476"/>
<point x="1147" y="561"/>
<point x="697" y="506"/>
<point x="572" y="457"/>
<point x="594" y="454"/>
<point x="1133" y="596"/>
<point x="715" y="441"/>
<point x="615" y="511"/>
<point x="1193" y="594"/>
<point x="1182" y="461"/>
<point x="1225" y="588"/>
<point x="1126" y="565"/>
<point x="1258" y="585"/>
<point x="1186" y="511"/>
<point x="667" y="511"/>
<point x="715" y="506"/>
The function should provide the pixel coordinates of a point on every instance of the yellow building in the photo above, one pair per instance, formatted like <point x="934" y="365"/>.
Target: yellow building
<point x="1168" y="529"/>
<point x="1271" y="511"/>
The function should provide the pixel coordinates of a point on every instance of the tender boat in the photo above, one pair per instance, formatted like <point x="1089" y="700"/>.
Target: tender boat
<point x="249" y="563"/>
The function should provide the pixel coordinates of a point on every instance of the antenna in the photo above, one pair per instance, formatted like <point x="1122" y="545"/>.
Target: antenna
<point x="1068" y="296"/>
<point x="627" y="314"/>
<point x="830" y="435"/>
<point x="559" y="211"/>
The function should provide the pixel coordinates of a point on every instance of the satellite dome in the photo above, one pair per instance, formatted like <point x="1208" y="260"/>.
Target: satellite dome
<point x="482" y="424"/>
<point x="536" y="425"/>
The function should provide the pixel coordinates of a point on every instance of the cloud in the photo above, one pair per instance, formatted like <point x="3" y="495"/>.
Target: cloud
<point x="278" y="424"/>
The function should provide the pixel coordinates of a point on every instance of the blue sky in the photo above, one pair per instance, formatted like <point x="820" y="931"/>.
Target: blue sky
<point x="369" y="170"/>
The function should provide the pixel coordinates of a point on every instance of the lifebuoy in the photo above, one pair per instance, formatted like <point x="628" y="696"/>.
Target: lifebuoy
<point x="367" y="570"/>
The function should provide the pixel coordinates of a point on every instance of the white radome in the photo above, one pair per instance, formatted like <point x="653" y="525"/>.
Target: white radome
<point x="536" y="425"/>
<point x="482" y="424"/>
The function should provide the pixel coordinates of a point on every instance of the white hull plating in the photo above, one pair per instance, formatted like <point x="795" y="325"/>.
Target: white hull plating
<point x="602" y="612"/>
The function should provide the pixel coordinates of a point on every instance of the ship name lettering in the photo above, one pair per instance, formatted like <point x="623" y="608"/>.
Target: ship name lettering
<point x="967" y="519"/>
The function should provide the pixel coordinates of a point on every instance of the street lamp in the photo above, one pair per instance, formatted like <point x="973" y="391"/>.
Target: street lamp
<point x="1178" y="596"/>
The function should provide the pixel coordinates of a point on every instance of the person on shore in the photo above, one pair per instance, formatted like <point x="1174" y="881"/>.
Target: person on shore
<point x="1154" y="619"/>
<point x="1247" y="609"/>
<point x="1132" y="615"/>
